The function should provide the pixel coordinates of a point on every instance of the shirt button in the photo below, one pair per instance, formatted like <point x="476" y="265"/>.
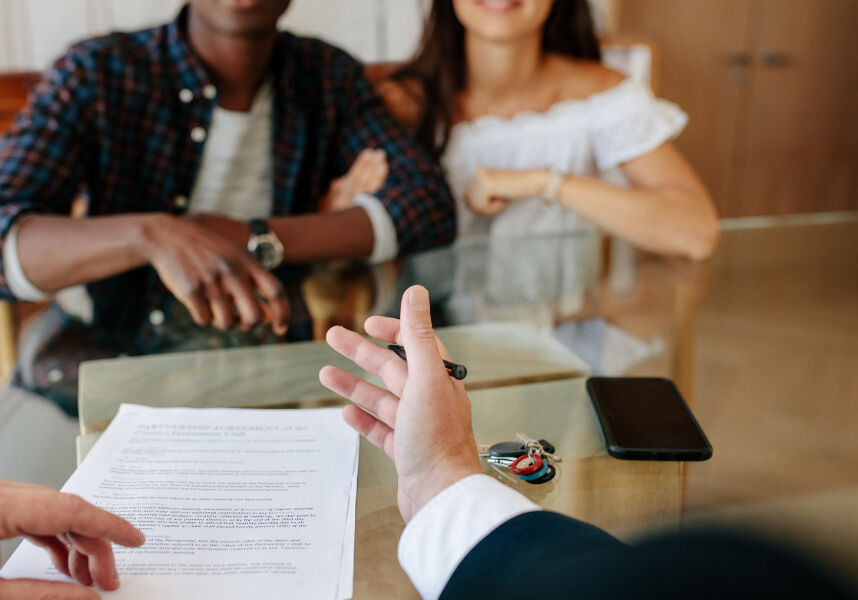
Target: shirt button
<point x="186" y="95"/>
<point x="180" y="201"/>
<point x="55" y="375"/>
<point x="156" y="317"/>
<point x="210" y="92"/>
<point x="198" y="134"/>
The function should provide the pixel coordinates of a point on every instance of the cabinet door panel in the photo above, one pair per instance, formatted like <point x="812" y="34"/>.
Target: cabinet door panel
<point x="699" y="43"/>
<point x="802" y="139"/>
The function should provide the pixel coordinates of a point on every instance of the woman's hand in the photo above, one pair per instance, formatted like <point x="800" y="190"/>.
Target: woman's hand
<point x="76" y="534"/>
<point x="366" y="176"/>
<point x="216" y="279"/>
<point x="423" y="419"/>
<point x="491" y="190"/>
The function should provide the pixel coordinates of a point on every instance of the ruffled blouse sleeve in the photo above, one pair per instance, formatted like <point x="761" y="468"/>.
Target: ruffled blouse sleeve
<point x="628" y="121"/>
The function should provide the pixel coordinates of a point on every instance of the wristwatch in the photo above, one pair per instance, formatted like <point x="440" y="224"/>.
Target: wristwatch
<point x="264" y="245"/>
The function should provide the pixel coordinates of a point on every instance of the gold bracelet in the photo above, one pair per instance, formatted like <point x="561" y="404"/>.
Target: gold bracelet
<point x="552" y="188"/>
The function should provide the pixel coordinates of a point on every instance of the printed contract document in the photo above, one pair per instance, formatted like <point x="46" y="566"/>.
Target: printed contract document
<point x="234" y="503"/>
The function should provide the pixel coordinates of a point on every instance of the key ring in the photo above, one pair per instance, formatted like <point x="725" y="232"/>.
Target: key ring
<point x="530" y="469"/>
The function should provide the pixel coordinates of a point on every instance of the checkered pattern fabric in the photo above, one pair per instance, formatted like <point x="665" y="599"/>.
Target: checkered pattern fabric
<point x="122" y="120"/>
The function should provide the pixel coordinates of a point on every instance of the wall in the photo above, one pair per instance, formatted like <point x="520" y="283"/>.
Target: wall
<point x="34" y="32"/>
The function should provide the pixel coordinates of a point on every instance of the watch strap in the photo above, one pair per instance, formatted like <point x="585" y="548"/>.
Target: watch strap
<point x="258" y="227"/>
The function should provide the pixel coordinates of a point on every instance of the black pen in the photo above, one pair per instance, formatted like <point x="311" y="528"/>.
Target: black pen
<point x="453" y="370"/>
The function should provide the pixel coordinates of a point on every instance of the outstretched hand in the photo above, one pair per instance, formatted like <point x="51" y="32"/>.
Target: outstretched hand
<point x="76" y="534"/>
<point x="423" y="419"/>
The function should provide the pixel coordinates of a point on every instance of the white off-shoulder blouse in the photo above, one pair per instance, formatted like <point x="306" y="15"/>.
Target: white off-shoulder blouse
<point x="576" y="137"/>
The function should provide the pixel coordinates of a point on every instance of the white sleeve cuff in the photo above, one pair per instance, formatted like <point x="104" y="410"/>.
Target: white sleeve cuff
<point x="450" y="525"/>
<point x="19" y="285"/>
<point x="385" y="246"/>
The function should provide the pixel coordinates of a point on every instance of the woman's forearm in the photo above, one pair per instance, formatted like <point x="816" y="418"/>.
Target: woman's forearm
<point x="669" y="218"/>
<point x="59" y="252"/>
<point x="666" y="219"/>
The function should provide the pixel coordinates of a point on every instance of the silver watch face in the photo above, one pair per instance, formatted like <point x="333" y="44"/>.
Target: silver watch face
<point x="267" y="249"/>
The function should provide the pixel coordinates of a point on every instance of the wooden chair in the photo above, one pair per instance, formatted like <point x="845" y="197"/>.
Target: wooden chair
<point x="13" y="96"/>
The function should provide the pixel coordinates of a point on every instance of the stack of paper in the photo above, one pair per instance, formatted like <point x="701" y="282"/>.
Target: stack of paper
<point x="234" y="503"/>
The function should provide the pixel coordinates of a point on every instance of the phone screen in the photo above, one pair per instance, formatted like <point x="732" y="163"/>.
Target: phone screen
<point x="647" y="418"/>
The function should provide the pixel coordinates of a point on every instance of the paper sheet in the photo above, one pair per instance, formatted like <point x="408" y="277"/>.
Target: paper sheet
<point x="234" y="503"/>
<point x="609" y="350"/>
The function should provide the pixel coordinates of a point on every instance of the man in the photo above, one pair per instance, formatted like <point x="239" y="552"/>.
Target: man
<point x="469" y="536"/>
<point x="194" y="143"/>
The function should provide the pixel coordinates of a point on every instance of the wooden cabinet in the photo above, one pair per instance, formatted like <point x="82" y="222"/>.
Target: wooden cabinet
<point x="772" y="90"/>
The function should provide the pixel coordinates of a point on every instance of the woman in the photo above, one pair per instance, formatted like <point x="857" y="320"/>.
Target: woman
<point x="511" y="97"/>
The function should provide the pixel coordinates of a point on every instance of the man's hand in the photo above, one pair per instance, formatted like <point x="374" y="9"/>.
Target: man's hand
<point x="76" y="534"/>
<point x="491" y="190"/>
<point x="423" y="419"/>
<point x="366" y="176"/>
<point x="218" y="281"/>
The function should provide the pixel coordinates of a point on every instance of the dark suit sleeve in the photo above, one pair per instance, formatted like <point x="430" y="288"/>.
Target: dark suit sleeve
<point x="547" y="555"/>
<point x="533" y="547"/>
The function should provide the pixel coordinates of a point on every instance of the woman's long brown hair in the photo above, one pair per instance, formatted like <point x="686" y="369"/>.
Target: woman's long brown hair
<point x="438" y="67"/>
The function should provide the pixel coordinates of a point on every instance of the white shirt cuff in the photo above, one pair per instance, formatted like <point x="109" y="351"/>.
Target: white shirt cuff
<point x="450" y="525"/>
<point x="19" y="285"/>
<point x="385" y="246"/>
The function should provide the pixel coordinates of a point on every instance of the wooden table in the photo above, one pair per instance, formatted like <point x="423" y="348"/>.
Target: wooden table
<point x="622" y="496"/>
<point x="503" y="298"/>
<point x="286" y="375"/>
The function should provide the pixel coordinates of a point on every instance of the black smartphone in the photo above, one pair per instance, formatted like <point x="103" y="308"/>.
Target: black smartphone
<point x="645" y="418"/>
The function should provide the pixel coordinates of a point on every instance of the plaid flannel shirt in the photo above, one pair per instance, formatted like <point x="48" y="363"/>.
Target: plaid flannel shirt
<point x="122" y="119"/>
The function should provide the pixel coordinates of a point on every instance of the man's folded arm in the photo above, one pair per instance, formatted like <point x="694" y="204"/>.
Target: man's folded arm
<point x="415" y="195"/>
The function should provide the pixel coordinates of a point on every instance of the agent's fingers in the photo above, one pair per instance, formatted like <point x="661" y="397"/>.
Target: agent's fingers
<point x="384" y="328"/>
<point x="378" y="401"/>
<point x="33" y="589"/>
<point x="369" y="356"/>
<point x="424" y="359"/>
<point x="5" y="483"/>
<point x="43" y="511"/>
<point x="102" y="566"/>
<point x="378" y="434"/>
<point x="57" y="550"/>
<point x="79" y="567"/>
<point x="388" y="329"/>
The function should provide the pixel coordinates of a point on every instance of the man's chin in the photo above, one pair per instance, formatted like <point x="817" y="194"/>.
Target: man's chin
<point x="244" y="18"/>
